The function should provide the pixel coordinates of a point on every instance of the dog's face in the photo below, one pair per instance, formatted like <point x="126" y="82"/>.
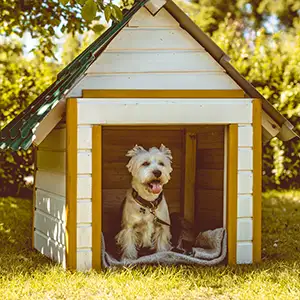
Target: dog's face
<point x="150" y="168"/>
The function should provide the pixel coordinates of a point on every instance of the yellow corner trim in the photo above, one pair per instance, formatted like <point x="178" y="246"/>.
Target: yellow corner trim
<point x="96" y="196"/>
<point x="232" y="191"/>
<point x="71" y="184"/>
<point x="257" y="179"/>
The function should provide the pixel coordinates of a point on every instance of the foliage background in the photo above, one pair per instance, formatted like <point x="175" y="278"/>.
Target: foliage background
<point x="262" y="37"/>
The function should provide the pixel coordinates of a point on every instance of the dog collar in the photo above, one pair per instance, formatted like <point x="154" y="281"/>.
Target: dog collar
<point x="152" y="205"/>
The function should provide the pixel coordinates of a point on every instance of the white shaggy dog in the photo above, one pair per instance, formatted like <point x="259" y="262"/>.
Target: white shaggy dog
<point x="145" y="216"/>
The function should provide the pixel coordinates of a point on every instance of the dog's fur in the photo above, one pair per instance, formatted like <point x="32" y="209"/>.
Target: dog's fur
<point x="138" y="227"/>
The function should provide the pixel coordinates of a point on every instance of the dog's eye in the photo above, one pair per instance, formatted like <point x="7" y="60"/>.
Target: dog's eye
<point x="162" y="164"/>
<point x="146" y="164"/>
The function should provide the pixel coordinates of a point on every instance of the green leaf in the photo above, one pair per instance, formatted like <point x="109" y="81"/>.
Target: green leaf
<point x="98" y="28"/>
<point x="64" y="2"/>
<point x="119" y="14"/>
<point x="89" y="10"/>
<point x="107" y="13"/>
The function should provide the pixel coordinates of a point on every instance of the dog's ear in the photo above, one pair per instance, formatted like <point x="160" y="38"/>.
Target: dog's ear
<point x="135" y="150"/>
<point x="166" y="151"/>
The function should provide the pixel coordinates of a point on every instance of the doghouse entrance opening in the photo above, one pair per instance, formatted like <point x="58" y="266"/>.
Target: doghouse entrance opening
<point x="208" y="190"/>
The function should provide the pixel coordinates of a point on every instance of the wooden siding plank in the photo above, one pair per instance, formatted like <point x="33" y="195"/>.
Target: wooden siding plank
<point x="190" y="176"/>
<point x="245" y="206"/>
<point x="244" y="229"/>
<point x="84" y="236"/>
<point x="232" y="192"/>
<point x="245" y="182"/>
<point x="96" y="196"/>
<point x="84" y="137"/>
<point x="211" y="137"/>
<point x="84" y="212"/>
<point x="154" y="39"/>
<point x="196" y="111"/>
<point x="245" y="136"/>
<point x="245" y="159"/>
<point x="257" y="180"/>
<point x="50" y="248"/>
<point x="158" y="81"/>
<point x="244" y="252"/>
<point x="50" y="226"/>
<point x="53" y="161"/>
<point x="211" y="179"/>
<point x="51" y="182"/>
<point x="55" y="140"/>
<point x="84" y="186"/>
<point x="154" y="62"/>
<point x="96" y="93"/>
<point x="209" y="199"/>
<point x="51" y="204"/>
<point x="84" y="260"/>
<point x="210" y="159"/>
<point x="71" y="182"/>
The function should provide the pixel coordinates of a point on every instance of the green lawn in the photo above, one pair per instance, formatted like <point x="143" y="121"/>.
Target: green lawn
<point x="24" y="274"/>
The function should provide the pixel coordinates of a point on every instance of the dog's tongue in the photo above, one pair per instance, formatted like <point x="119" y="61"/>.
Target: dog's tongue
<point x="156" y="187"/>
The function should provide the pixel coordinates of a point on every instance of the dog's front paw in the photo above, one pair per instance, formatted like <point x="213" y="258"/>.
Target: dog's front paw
<point x="163" y="247"/>
<point x="131" y="255"/>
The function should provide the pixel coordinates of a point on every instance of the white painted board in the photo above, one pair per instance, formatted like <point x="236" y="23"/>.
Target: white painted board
<point x="51" y="204"/>
<point x="163" y="111"/>
<point x="154" y="62"/>
<point x="50" y="226"/>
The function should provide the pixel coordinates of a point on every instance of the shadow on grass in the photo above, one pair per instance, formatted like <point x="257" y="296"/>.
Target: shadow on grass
<point x="16" y="255"/>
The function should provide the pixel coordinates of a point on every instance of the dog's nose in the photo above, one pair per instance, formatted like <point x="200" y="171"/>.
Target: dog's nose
<point x="156" y="173"/>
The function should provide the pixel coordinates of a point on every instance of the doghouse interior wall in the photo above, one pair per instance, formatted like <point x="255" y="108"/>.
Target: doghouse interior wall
<point x="118" y="140"/>
<point x="210" y="177"/>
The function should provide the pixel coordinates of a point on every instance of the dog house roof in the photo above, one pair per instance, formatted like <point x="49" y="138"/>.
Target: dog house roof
<point x="20" y="132"/>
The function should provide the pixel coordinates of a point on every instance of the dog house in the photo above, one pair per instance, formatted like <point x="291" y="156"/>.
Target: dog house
<point x="152" y="78"/>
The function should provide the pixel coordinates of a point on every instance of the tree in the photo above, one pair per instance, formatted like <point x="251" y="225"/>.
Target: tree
<point x="21" y="81"/>
<point x="44" y="19"/>
<point x="254" y="14"/>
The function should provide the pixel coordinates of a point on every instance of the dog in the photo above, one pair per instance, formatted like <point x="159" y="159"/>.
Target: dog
<point x="145" y="215"/>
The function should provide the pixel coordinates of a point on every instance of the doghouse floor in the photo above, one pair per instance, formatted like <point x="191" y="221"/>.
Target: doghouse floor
<point x="209" y="171"/>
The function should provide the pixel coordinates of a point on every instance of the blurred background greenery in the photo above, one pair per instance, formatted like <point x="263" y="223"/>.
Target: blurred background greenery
<point x="262" y="37"/>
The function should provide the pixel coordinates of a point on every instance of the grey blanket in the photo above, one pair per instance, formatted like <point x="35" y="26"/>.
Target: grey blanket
<point x="210" y="249"/>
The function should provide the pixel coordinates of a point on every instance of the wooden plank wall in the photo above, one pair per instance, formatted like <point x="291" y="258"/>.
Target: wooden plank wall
<point x="116" y="178"/>
<point x="154" y="53"/>
<point x="209" y="177"/>
<point x="50" y="204"/>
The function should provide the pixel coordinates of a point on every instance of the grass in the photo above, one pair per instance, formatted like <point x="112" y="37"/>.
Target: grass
<point x="25" y="274"/>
